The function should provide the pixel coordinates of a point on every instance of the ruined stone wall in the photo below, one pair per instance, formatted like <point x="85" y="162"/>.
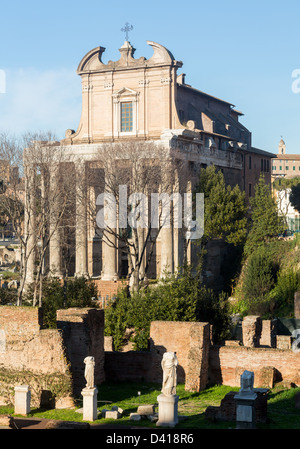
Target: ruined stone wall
<point x="269" y="365"/>
<point x="191" y="342"/>
<point x="130" y="366"/>
<point x="83" y="333"/>
<point x="50" y="361"/>
<point x="31" y="355"/>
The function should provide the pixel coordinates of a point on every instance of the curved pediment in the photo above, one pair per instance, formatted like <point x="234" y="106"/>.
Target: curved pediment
<point x="92" y="61"/>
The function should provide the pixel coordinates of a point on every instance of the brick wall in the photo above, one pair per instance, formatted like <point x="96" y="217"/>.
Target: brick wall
<point x="29" y="354"/>
<point x="130" y="366"/>
<point x="228" y="362"/>
<point x="109" y="288"/>
<point x="49" y="359"/>
<point x="83" y="333"/>
<point x="191" y="343"/>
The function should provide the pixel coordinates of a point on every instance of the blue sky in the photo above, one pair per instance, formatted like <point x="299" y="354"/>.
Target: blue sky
<point x="241" y="51"/>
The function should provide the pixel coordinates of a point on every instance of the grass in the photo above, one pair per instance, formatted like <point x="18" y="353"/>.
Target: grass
<point x="282" y="413"/>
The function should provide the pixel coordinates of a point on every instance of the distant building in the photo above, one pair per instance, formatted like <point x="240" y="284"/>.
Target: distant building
<point x="286" y="166"/>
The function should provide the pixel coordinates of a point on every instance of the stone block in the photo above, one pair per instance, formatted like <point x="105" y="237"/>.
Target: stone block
<point x="118" y="409"/>
<point x="135" y="417"/>
<point x="283" y="342"/>
<point x="146" y="410"/>
<point x="266" y="377"/>
<point x="251" y="328"/>
<point x="268" y="334"/>
<point x="112" y="414"/>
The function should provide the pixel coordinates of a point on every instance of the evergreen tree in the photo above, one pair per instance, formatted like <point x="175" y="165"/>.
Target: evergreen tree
<point x="266" y="223"/>
<point x="295" y="196"/>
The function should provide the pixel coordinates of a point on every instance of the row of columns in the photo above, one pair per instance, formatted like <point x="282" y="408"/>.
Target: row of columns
<point x="171" y="239"/>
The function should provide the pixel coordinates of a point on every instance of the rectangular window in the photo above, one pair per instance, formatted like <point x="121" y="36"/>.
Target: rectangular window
<point x="286" y="167"/>
<point x="280" y="168"/>
<point x="250" y="189"/>
<point x="294" y="168"/>
<point x="126" y="117"/>
<point x="250" y="162"/>
<point x="262" y="165"/>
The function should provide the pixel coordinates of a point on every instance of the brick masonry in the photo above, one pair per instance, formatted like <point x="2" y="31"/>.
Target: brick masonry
<point x="41" y="357"/>
<point x="190" y="341"/>
<point x="228" y="362"/>
<point x="83" y="333"/>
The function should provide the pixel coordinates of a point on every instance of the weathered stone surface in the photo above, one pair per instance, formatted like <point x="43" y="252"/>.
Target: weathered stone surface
<point x="283" y="342"/>
<point x="135" y="417"/>
<point x="112" y="414"/>
<point x="146" y="410"/>
<point x="251" y="328"/>
<point x="118" y="409"/>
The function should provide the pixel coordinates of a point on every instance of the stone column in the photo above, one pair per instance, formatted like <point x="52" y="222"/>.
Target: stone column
<point x="166" y="233"/>
<point x="81" y="221"/>
<point x="30" y="224"/>
<point x="251" y="329"/>
<point x="109" y="246"/>
<point x="109" y="257"/>
<point x="54" y="225"/>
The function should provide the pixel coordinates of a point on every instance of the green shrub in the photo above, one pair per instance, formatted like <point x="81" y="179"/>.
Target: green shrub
<point x="77" y="292"/>
<point x="176" y="298"/>
<point x="282" y="295"/>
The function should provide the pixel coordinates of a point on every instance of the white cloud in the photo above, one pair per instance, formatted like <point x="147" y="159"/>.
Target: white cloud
<point x="40" y="101"/>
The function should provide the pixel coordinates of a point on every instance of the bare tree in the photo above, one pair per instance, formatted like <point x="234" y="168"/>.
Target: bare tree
<point x="136" y="173"/>
<point x="49" y="179"/>
<point x="37" y="183"/>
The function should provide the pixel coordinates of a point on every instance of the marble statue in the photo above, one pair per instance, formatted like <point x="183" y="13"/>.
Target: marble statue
<point x="169" y="365"/>
<point x="89" y="371"/>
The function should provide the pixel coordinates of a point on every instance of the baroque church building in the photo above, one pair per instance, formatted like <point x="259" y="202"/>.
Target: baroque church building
<point x="147" y="100"/>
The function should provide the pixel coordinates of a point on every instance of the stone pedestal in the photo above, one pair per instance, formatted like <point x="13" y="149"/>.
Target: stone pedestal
<point x="167" y="410"/>
<point x="22" y="400"/>
<point x="90" y="412"/>
<point x="245" y="411"/>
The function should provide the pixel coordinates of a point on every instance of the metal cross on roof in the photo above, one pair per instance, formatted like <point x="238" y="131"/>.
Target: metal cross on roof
<point x="127" y="28"/>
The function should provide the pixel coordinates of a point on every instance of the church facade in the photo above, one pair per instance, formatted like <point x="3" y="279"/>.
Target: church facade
<point x="147" y="100"/>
